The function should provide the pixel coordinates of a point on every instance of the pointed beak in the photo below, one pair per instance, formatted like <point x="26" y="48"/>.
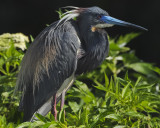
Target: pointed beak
<point x="113" y="21"/>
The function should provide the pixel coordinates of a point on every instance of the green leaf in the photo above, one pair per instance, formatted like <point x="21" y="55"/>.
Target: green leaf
<point x="125" y="90"/>
<point x="114" y="47"/>
<point x="117" y="87"/>
<point x="123" y="40"/>
<point x="138" y="80"/>
<point x="134" y="114"/>
<point x="32" y="39"/>
<point x="112" y="67"/>
<point x="143" y="86"/>
<point x="113" y="116"/>
<point x="62" y="116"/>
<point x="40" y="117"/>
<point x="37" y="124"/>
<point x="111" y="85"/>
<point x="46" y="125"/>
<point x="83" y="92"/>
<point x="126" y="76"/>
<point x="74" y="106"/>
<point x="108" y="101"/>
<point x="100" y="86"/>
<point x="24" y="125"/>
<point x="129" y="58"/>
<point x="106" y="80"/>
<point x="144" y="68"/>
<point x="156" y="69"/>
<point x="60" y="13"/>
<point x="10" y="51"/>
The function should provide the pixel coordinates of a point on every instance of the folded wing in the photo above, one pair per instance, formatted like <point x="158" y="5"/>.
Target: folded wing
<point x="49" y="61"/>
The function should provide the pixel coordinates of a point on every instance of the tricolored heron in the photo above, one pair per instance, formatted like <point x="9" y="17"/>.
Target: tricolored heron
<point x="64" y="49"/>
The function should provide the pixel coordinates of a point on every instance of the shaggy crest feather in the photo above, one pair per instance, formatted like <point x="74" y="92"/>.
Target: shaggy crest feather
<point x="66" y="17"/>
<point x="71" y="7"/>
<point x="69" y="15"/>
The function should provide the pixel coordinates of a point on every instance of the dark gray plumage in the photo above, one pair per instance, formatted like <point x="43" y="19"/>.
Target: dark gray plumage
<point x="62" y="50"/>
<point x="42" y="73"/>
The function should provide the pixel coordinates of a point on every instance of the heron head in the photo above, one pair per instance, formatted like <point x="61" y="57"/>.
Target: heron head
<point x="95" y="18"/>
<point x="98" y="18"/>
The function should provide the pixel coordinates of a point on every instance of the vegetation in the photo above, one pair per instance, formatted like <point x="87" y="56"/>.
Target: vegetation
<point x="122" y="93"/>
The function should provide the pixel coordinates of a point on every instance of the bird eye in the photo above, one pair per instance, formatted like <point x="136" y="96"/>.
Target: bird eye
<point x="99" y="16"/>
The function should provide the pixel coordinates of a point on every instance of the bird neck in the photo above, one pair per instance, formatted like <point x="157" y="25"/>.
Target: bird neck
<point x="92" y="39"/>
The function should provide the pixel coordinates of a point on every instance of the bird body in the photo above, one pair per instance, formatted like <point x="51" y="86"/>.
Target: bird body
<point x="61" y="51"/>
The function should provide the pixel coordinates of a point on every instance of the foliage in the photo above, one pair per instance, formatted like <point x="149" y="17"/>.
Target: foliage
<point x="122" y="103"/>
<point x="19" y="40"/>
<point x="123" y="92"/>
<point x="10" y="59"/>
<point x="4" y="124"/>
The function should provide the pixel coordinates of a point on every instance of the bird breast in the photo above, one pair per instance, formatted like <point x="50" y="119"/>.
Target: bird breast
<point x="94" y="52"/>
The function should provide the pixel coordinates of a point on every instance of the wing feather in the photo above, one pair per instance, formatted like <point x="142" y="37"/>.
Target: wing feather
<point x="49" y="61"/>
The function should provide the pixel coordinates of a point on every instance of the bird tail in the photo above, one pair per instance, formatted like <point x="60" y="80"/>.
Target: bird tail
<point x="23" y="106"/>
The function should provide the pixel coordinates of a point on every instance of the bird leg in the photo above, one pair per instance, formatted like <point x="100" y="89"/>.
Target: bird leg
<point x="62" y="100"/>
<point x="54" y="110"/>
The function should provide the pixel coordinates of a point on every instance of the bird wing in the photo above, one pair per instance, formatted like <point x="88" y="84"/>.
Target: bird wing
<point x="49" y="61"/>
